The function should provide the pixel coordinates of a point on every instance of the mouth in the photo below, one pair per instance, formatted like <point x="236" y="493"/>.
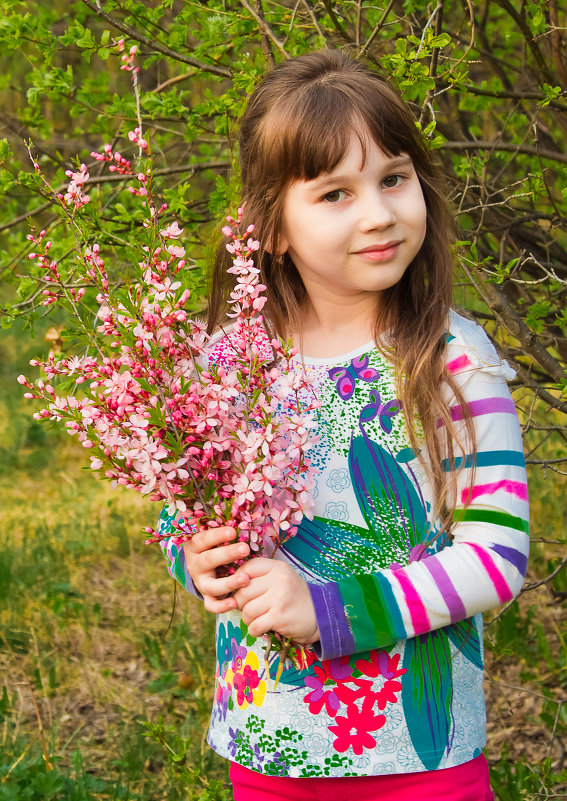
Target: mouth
<point x="381" y="252"/>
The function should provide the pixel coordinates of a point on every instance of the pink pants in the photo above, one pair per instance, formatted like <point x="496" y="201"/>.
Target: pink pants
<point x="468" y="782"/>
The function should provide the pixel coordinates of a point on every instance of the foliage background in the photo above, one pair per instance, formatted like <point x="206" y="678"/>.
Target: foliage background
<point x="97" y="698"/>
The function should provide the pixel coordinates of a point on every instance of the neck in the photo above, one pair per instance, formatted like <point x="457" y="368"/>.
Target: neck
<point x="331" y="327"/>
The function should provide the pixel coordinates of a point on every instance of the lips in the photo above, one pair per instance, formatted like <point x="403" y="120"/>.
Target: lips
<point x="382" y="252"/>
<point x="378" y="248"/>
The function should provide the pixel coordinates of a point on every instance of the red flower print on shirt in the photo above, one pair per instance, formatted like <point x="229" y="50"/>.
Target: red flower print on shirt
<point x="244" y="683"/>
<point x="353" y="731"/>
<point x="381" y="664"/>
<point x="328" y="686"/>
<point x="387" y="694"/>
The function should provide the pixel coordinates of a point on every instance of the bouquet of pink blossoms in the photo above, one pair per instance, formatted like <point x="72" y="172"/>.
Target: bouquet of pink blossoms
<point x="223" y="440"/>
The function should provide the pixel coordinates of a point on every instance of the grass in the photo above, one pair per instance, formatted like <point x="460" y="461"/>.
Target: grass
<point x="101" y="698"/>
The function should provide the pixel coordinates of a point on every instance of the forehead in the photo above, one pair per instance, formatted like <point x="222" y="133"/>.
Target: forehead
<point x="360" y="157"/>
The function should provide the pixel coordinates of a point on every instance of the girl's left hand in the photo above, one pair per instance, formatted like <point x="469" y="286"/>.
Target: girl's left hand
<point x="276" y="599"/>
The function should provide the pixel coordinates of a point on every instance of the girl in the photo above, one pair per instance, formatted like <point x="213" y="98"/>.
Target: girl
<point x="421" y="518"/>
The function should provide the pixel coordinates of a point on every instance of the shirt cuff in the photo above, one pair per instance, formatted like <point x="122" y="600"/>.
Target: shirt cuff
<point x="188" y="581"/>
<point x="334" y="631"/>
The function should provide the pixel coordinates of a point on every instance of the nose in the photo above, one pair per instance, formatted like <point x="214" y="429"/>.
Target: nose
<point x="376" y="212"/>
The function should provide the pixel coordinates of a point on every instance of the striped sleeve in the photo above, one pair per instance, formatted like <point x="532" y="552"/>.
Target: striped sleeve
<point x="172" y="549"/>
<point x="486" y="563"/>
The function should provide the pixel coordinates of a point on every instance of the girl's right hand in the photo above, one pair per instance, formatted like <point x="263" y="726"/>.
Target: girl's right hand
<point x="207" y="550"/>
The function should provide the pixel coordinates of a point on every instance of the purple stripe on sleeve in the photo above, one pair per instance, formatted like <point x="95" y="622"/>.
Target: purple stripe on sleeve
<point x="516" y="558"/>
<point x="335" y="635"/>
<point x="445" y="586"/>
<point x="486" y="406"/>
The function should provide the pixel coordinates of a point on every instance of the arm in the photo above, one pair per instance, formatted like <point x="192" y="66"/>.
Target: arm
<point x="485" y="565"/>
<point x="194" y="563"/>
<point x="174" y="553"/>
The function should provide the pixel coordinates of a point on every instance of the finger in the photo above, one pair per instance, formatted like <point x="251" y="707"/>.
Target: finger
<point x="260" y="626"/>
<point x="209" y="538"/>
<point x="254" y="610"/>
<point x="259" y="566"/>
<point x="218" y="606"/>
<point x="210" y="559"/>
<point x="217" y="587"/>
<point x="254" y="589"/>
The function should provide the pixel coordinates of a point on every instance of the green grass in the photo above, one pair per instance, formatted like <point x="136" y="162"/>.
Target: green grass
<point x="100" y="698"/>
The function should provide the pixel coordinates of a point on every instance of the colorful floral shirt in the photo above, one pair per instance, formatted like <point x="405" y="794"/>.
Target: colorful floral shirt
<point x="395" y="683"/>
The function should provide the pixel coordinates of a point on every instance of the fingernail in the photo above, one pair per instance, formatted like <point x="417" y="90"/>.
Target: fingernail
<point x="243" y="549"/>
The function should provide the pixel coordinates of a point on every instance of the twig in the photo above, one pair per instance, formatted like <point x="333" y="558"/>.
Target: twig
<point x="153" y="45"/>
<point x="433" y="64"/>
<point x="358" y="22"/>
<point x="547" y="461"/>
<point x="505" y="94"/>
<point x="265" y="28"/>
<point x="499" y="683"/>
<point x="336" y="24"/>
<point x="535" y="584"/>
<point x="266" y="47"/>
<point x="546" y="396"/>
<point x="438" y="9"/>
<point x="109" y="179"/>
<point x="497" y="301"/>
<point x="483" y="144"/>
<point x="314" y="19"/>
<point x="170" y="81"/>
<point x="529" y="39"/>
<point x="378" y="27"/>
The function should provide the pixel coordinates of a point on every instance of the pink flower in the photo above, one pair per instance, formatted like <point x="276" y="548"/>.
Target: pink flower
<point x="353" y="731"/>
<point x="173" y="231"/>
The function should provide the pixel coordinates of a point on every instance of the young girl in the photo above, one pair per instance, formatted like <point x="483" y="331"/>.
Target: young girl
<point x="421" y="517"/>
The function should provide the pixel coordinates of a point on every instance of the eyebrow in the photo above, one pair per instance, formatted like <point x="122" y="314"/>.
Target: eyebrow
<point x="326" y="179"/>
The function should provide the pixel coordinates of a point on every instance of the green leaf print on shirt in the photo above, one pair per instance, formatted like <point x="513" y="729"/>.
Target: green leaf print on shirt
<point x="386" y="496"/>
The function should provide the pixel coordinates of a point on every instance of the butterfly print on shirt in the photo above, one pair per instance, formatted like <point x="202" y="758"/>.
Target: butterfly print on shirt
<point x="346" y="377"/>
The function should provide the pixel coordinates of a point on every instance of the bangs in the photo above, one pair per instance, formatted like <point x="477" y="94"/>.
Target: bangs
<point x="309" y="132"/>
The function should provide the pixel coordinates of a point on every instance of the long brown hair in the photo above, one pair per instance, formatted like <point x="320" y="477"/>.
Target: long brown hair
<point x="298" y="124"/>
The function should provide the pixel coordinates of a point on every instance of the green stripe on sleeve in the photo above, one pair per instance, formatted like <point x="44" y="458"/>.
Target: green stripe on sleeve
<point x="489" y="516"/>
<point x="367" y="613"/>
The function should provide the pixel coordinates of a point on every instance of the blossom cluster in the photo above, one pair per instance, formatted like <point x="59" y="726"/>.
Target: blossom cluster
<point x="224" y="441"/>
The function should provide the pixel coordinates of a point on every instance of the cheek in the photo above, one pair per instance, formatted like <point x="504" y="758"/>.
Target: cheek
<point x="417" y="212"/>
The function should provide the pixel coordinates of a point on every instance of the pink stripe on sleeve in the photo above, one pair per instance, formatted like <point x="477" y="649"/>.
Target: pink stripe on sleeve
<point x="418" y="612"/>
<point x="517" y="488"/>
<point x="458" y="364"/>
<point x="500" y="583"/>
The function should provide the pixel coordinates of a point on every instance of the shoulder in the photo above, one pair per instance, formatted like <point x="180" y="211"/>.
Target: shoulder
<point x="469" y="349"/>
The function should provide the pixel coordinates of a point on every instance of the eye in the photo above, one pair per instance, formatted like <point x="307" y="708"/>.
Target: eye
<point x="334" y="196"/>
<point x="391" y="181"/>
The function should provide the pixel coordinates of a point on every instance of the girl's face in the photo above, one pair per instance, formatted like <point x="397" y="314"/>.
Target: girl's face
<point x="355" y="230"/>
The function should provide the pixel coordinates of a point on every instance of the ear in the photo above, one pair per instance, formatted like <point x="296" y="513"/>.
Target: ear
<point x="283" y="245"/>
